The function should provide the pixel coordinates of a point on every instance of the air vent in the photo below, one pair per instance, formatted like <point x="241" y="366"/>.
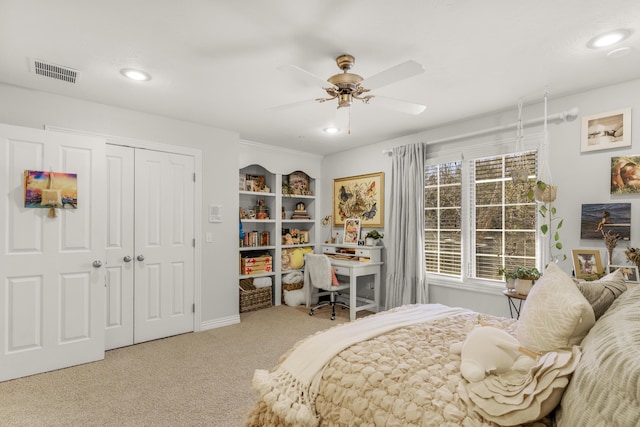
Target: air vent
<point x="54" y="71"/>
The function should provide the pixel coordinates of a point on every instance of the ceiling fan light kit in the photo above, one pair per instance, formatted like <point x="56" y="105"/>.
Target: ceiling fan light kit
<point x="346" y="86"/>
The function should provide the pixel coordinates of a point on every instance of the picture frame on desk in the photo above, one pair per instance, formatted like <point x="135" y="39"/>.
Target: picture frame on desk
<point x="361" y="197"/>
<point x="351" y="231"/>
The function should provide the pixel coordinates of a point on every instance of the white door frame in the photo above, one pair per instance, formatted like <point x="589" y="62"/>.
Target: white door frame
<point x="197" y="230"/>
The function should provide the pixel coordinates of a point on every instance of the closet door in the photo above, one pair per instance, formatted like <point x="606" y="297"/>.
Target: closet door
<point x="119" y="249"/>
<point x="51" y="273"/>
<point x="150" y="253"/>
<point x="164" y="244"/>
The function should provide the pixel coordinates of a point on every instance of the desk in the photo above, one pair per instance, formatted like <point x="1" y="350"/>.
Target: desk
<point x="364" y="261"/>
<point x="512" y="296"/>
<point x="353" y="270"/>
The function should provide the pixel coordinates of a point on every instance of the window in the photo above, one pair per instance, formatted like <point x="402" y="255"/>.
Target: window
<point x="501" y="225"/>
<point x="443" y="218"/>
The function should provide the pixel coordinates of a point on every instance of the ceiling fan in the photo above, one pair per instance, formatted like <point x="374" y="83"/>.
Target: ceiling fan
<point x="347" y="87"/>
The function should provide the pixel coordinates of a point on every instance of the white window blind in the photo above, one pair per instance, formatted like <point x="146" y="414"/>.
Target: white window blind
<point x="443" y="218"/>
<point x="502" y="219"/>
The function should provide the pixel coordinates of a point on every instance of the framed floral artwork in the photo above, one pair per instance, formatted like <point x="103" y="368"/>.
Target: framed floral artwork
<point x="351" y="231"/>
<point x="359" y="197"/>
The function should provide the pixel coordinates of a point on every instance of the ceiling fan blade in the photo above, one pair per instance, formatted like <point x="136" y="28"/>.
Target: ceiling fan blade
<point x="292" y="105"/>
<point x="303" y="75"/>
<point x="394" y="74"/>
<point x="397" y="105"/>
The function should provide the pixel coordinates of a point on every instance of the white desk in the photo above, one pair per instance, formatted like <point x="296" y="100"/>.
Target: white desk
<point x="355" y="269"/>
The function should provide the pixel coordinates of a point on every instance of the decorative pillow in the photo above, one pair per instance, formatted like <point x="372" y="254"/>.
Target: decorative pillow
<point x="601" y="293"/>
<point x="555" y="314"/>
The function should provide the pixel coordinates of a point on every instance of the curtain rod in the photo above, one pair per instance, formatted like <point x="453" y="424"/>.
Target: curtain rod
<point x="565" y="116"/>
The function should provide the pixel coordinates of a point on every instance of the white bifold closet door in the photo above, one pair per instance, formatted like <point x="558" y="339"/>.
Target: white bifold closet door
<point x="150" y="245"/>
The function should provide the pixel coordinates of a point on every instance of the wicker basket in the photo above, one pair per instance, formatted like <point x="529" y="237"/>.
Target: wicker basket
<point x="291" y="287"/>
<point x="252" y="298"/>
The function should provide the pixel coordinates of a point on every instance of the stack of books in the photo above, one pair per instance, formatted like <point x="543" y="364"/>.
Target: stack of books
<point x="300" y="214"/>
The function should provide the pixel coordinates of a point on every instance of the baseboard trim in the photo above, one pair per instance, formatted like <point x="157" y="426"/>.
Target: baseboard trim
<point x="219" y="323"/>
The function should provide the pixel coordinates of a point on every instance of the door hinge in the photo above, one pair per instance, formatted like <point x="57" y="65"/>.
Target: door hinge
<point x="194" y="242"/>
<point x="194" y="177"/>
<point x="193" y="308"/>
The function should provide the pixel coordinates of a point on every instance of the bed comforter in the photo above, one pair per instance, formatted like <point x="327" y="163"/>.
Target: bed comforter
<point x="405" y="377"/>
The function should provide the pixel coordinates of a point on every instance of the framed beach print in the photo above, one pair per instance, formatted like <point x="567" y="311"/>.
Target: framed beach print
<point x="587" y="263"/>
<point x="351" y="231"/>
<point x="606" y="130"/>
<point x="629" y="272"/>
<point x="599" y="218"/>
<point x="360" y="197"/>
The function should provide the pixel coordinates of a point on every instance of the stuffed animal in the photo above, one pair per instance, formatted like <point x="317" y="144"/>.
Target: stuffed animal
<point x="489" y="350"/>
<point x="294" y="297"/>
<point x="286" y="259"/>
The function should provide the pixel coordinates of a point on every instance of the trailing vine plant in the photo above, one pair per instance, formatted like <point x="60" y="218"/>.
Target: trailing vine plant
<point x="551" y="222"/>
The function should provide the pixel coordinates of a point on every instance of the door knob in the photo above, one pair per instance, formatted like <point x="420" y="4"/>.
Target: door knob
<point x="97" y="263"/>
<point x="140" y="257"/>
<point x="127" y="258"/>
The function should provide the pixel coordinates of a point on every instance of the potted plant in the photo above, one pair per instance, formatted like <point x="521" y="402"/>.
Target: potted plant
<point x="509" y="278"/>
<point x="525" y="278"/>
<point x="371" y="239"/>
<point x="546" y="194"/>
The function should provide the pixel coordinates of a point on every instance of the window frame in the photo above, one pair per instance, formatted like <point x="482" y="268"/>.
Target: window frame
<point x="465" y="280"/>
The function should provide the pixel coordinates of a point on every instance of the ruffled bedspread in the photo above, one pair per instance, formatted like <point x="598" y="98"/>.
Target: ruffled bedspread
<point x="406" y="377"/>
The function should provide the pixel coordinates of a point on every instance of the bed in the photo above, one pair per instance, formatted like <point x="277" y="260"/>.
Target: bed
<point x="398" y="368"/>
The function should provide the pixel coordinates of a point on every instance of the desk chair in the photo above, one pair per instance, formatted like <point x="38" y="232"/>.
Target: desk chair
<point x="317" y="273"/>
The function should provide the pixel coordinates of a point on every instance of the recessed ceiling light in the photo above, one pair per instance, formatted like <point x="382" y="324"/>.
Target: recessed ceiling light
<point x="331" y="130"/>
<point x="608" y="39"/>
<point x="135" y="74"/>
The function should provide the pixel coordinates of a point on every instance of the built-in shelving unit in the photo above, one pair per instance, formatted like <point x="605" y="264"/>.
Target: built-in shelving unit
<point x="281" y="210"/>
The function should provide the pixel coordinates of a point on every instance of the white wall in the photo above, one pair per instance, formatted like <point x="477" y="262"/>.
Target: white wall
<point x="219" y="296"/>
<point x="582" y="177"/>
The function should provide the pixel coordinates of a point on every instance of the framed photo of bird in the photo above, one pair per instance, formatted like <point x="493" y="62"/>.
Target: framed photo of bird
<point x="360" y="196"/>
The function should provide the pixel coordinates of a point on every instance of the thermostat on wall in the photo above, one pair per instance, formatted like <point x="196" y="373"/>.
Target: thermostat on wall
<point x="215" y="213"/>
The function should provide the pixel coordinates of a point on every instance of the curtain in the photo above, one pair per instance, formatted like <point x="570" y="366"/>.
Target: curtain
<point x="406" y="278"/>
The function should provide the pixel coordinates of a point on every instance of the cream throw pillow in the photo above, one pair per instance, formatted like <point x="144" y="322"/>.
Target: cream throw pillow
<point x="555" y="314"/>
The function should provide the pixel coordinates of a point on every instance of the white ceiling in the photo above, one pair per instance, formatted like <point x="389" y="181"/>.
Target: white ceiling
<point x="216" y="62"/>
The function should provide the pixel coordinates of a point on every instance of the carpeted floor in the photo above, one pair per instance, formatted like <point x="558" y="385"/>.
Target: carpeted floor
<point x="196" y="379"/>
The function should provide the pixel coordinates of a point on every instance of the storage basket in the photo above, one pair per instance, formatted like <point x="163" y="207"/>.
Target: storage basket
<point x="252" y="298"/>
<point x="291" y="287"/>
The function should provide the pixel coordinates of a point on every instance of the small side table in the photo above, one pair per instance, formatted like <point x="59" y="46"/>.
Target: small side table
<point x="515" y="302"/>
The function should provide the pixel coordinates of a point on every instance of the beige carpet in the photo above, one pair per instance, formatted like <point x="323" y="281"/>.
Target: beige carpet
<point x="197" y="379"/>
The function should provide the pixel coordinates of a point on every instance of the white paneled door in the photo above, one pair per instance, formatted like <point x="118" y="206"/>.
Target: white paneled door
<point x="150" y="245"/>
<point x="119" y="248"/>
<point x="51" y="273"/>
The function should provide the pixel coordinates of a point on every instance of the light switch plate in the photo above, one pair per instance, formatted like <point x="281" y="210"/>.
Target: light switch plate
<point x="215" y="213"/>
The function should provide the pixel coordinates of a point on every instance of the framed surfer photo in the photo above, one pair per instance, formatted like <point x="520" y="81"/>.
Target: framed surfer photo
<point x="599" y="219"/>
